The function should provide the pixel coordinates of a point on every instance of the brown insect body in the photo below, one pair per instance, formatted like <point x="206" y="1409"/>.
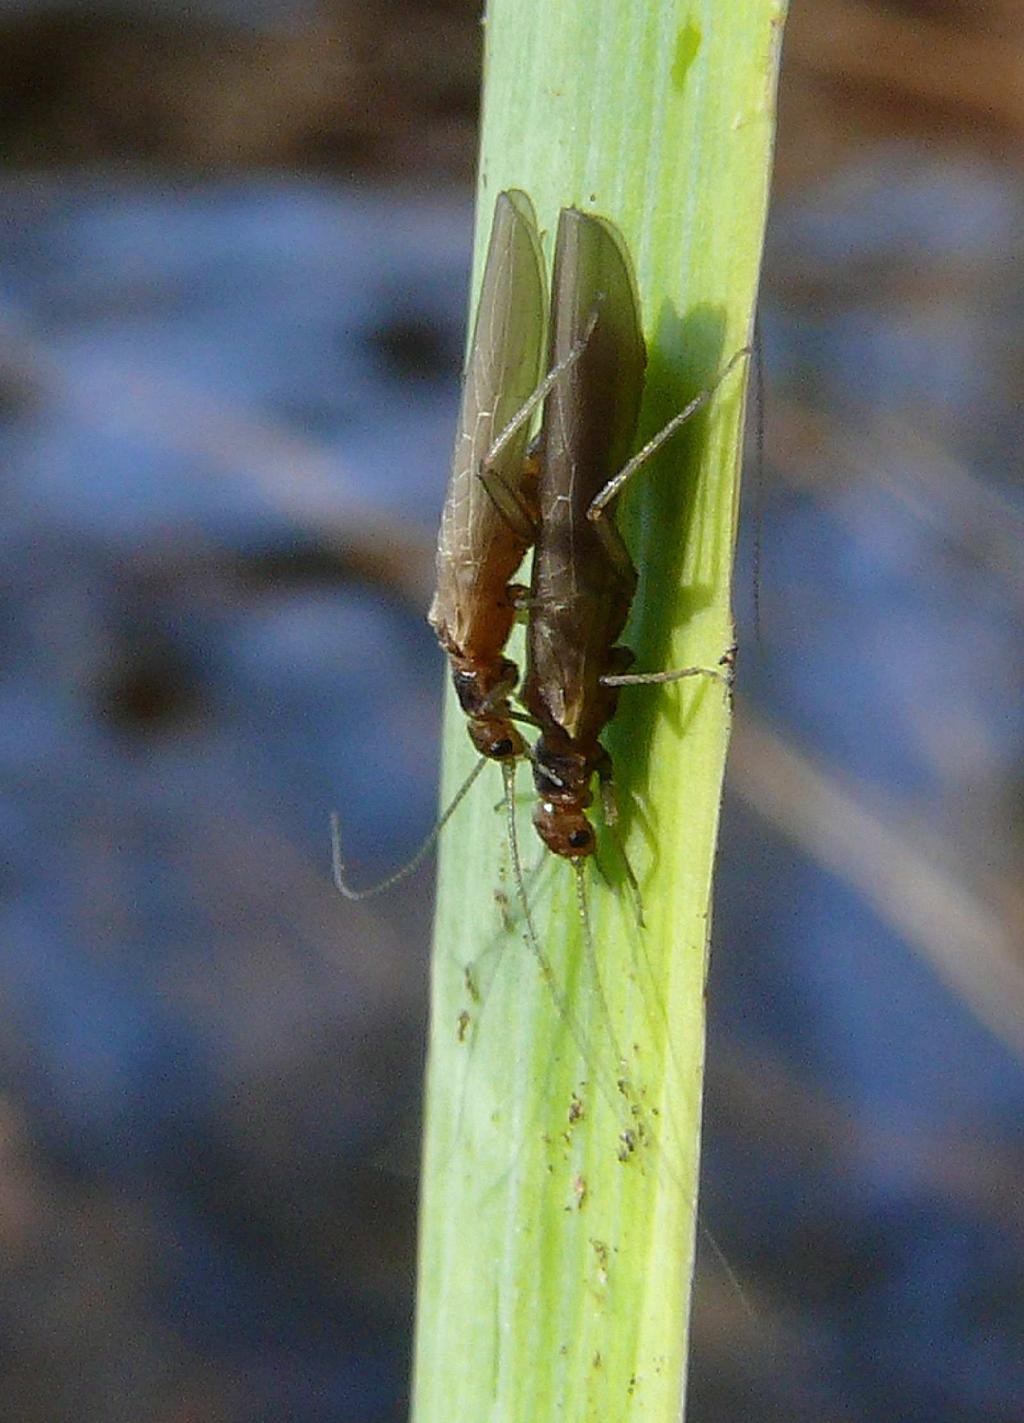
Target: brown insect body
<point x="583" y="578"/>
<point x="490" y="510"/>
<point x="486" y="527"/>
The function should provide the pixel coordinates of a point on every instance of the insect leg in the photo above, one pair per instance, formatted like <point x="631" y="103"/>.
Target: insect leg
<point x="649" y="679"/>
<point x="618" y="556"/>
<point x="599" y="504"/>
<point x="727" y="662"/>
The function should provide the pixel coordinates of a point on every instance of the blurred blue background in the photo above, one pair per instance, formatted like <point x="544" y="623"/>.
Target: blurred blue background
<point x="234" y="252"/>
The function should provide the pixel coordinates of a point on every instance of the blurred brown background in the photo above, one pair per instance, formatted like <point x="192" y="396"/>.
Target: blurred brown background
<point x="235" y="249"/>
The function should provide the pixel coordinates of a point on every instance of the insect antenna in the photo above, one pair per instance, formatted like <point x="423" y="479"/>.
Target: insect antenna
<point x="759" y="398"/>
<point x="508" y="771"/>
<point x="589" y="949"/>
<point x="610" y="806"/>
<point x="631" y="879"/>
<point x="532" y="938"/>
<point x="616" y="1091"/>
<point x="338" y="863"/>
<point x="727" y="1270"/>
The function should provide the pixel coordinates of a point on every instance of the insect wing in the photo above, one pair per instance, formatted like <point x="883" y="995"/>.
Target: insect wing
<point x="592" y="414"/>
<point x="508" y="342"/>
<point x="481" y="541"/>
<point x="583" y="579"/>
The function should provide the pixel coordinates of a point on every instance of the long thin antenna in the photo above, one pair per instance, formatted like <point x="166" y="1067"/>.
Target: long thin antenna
<point x="728" y="1271"/>
<point x="759" y="396"/>
<point x="579" y="870"/>
<point x="615" y="1094"/>
<point x="338" y="863"/>
<point x="508" y="771"/>
<point x="584" y="1048"/>
<point x="631" y="879"/>
<point x="610" y="806"/>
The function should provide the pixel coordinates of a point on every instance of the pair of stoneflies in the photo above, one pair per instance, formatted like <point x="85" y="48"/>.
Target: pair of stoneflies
<point x="557" y="494"/>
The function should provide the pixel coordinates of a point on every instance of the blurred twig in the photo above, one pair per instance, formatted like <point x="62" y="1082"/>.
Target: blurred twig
<point x="353" y="85"/>
<point x="304" y="485"/>
<point x="811" y="448"/>
<point x="956" y="63"/>
<point x="944" y="919"/>
<point x="859" y="71"/>
<point x="759" y="1099"/>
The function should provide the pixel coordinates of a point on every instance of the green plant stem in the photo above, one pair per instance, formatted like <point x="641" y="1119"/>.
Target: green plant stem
<point x="563" y="1103"/>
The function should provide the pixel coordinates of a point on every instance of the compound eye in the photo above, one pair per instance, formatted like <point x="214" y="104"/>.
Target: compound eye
<point x="580" y="839"/>
<point x="501" y="750"/>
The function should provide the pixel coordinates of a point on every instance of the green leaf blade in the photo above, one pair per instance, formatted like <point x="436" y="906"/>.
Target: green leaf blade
<point x="561" y="1157"/>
